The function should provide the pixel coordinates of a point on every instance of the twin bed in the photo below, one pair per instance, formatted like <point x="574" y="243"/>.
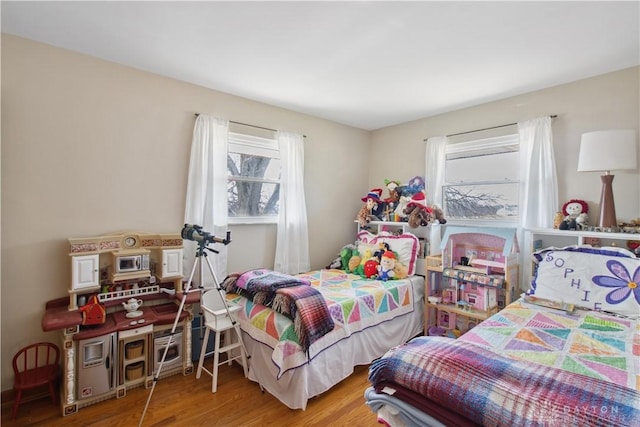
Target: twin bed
<point x="368" y="318"/>
<point x="566" y="353"/>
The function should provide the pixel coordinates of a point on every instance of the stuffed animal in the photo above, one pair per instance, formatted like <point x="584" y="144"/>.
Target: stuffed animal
<point x="394" y="195"/>
<point x="575" y="212"/>
<point x="372" y="207"/>
<point x="557" y="220"/>
<point x="416" y="185"/>
<point x="417" y="216"/>
<point x="354" y="262"/>
<point x="438" y="215"/>
<point x="370" y="269"/>
<point x="402" y="205"/>
<point x="418" y="212"/>
<point x="382" y="248"/>
<point x="400" y="270"/>
<point x="385" y="268"/>
<point x="346" y="254"/>
<point x="341" y="262"/>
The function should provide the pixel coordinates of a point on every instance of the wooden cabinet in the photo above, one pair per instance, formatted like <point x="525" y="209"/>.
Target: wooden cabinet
<point x="475" y="276"/>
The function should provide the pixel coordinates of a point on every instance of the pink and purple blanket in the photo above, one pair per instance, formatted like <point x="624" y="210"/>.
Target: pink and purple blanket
<point x="490" y="389"/>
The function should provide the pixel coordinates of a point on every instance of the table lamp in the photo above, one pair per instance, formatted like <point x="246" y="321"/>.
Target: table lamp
<point x="605" y="151"/>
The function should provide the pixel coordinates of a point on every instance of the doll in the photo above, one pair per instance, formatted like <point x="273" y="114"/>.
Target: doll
<point x="386" y="266"/>
<point x="371" y="208"/>
<point x="575" y="212"/>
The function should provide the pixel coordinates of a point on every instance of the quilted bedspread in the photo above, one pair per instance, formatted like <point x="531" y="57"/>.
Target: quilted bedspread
<point x="586" y="342"/>
<point x="354" y="304"/>
<point x="491" y="389"/>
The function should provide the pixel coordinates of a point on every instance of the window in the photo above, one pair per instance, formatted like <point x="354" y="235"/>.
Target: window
<point x="253" y="165"/>
<point x="482" y="179"/>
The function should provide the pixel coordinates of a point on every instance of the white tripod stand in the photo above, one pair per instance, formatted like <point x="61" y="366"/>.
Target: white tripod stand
<point x="195" y="233"/>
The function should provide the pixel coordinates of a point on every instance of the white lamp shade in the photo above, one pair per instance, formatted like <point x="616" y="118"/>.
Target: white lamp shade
<point x="608" y="150"/>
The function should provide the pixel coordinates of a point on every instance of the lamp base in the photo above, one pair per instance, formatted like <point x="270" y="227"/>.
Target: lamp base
<point x="607" y="206"/>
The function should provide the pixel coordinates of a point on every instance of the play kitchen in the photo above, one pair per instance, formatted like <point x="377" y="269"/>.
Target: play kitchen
<point x="116" y="322"/>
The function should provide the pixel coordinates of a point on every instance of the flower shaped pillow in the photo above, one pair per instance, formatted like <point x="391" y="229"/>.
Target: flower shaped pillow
<point x="606" y="279"/>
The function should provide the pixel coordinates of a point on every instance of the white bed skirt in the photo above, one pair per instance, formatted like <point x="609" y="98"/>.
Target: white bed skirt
<point x="295" y="387"/>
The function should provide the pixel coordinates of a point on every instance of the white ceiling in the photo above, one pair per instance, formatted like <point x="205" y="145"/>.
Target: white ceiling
<point x="367" y="64"/>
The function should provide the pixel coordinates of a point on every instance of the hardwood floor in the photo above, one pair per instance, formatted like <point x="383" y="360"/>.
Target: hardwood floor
<point x="184" y="401"/>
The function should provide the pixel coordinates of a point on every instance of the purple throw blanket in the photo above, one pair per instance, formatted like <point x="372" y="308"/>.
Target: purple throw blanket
<point x="287" y="295"/>
<point x="490" y="389"/>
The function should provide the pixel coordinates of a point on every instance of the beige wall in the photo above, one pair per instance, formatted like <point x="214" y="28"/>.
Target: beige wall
<point x="608" y="101"/>
<point x="91" y="147"/>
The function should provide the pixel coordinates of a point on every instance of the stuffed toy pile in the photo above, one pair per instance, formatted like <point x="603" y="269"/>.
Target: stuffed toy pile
<point x="406" y="203"/>
<point x="382" y="264"/>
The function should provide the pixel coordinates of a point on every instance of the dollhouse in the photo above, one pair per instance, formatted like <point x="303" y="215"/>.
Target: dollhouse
<point x="475" y="276"/>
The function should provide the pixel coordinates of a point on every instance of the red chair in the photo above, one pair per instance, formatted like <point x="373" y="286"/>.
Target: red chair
<point x="34" y="366"/>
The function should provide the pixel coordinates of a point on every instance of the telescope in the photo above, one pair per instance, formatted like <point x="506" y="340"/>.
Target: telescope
<point x="195" y="233"/>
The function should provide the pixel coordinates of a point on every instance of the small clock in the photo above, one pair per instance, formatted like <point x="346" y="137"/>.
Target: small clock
<point x="130" y="241"/>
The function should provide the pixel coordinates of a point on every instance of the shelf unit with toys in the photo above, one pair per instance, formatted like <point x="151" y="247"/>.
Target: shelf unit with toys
<point x="475" y="276"/>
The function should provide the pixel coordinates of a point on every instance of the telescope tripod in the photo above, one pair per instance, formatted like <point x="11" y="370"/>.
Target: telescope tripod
<point x="200" y="253"/>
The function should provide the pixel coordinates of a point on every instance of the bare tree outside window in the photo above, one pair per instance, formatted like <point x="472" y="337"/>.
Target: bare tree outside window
<point x="482" y="179"/>
<point x="486" y="201"/>
<point x="254" y="178"/>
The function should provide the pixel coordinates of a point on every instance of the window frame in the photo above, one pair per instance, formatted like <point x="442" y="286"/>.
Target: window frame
<point x="482" y="147"/>
<point x="257" y="146"/>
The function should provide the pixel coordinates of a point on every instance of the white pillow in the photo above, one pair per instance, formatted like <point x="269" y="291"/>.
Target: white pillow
<point x="606" y="279"/>
<point x="404" y="245"/>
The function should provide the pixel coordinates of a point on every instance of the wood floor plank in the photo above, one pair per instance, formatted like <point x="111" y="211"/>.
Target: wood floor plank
<point x="184" y="401"/>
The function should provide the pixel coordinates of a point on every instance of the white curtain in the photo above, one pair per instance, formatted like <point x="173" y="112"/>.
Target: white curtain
<point x="206" y="203"/>
<point x="538" y="178"/>
<point x="434" y="180"/>
<point x="292" y="246"/>
<point x="434" y="175"/>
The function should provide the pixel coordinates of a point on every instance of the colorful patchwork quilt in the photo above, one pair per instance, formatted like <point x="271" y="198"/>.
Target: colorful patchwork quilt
<point x="354" y="304"/>
<point x="586" y="342"/>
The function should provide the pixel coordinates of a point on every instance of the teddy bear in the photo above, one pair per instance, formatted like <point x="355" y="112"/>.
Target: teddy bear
<point x="400" y="270"/>
<point x="575" y="212"/>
